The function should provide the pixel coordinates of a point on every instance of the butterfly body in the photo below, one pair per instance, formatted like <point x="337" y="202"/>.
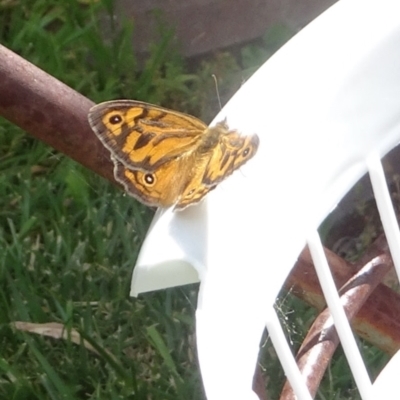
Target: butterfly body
<point x="163" y="157"/>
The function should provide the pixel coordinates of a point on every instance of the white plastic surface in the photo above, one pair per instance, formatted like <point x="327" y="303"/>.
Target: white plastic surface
<point x="323" y="106"/>
<point x="386" y="381"/>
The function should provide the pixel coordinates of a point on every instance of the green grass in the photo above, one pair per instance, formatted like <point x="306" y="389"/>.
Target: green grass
<point x="67" y="248"/>
<point x="69" y="240"/>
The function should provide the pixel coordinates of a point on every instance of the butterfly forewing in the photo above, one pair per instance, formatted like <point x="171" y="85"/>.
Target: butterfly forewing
<point x="144" y="136"/>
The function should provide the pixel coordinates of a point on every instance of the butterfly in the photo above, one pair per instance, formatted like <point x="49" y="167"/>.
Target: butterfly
<point x="166" y="158"/>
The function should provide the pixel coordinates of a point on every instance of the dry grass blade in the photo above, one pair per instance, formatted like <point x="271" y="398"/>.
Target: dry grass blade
<point x="57" y="331"/>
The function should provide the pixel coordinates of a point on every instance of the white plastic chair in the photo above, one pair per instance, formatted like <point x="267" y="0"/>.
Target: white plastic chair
<point x="327" y="108"/>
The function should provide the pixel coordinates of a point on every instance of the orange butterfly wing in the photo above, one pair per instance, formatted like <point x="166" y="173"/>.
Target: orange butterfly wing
<point x="144" y="136"/>
<point x="231" y="152"/>
<point x="220" y="152"/>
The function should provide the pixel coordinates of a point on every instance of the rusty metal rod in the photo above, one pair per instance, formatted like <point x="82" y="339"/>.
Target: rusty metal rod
<point x="51" y="111"/>
<point x="322" y="339"/>
<point x="377" y="321"/>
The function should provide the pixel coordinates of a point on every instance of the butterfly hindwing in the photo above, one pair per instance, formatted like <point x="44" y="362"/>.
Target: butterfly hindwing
<point x="160" y="188"/>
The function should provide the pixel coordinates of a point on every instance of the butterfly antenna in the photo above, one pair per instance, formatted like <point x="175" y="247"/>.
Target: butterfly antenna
<point x="216" y="89"/>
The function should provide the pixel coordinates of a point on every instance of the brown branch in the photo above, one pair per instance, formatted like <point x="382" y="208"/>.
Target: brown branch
<point x="51" y="111"/>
